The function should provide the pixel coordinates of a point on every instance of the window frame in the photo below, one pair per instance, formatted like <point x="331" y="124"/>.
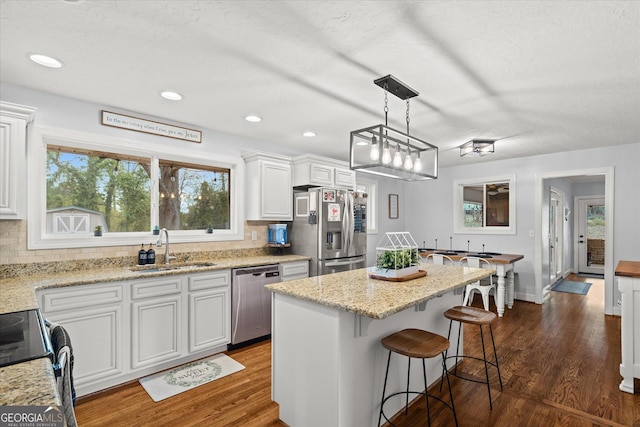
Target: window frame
<point x="372" y="202"/>
<point x="458" y="205"/>
<point x="41" y="136"/>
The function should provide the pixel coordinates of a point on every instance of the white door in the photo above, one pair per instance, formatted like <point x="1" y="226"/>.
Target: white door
<point x="591" y="236"/>
<point x="554" y="207"/>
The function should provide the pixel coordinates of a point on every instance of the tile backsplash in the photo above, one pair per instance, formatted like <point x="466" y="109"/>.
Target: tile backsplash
<point x="13" y="246"/>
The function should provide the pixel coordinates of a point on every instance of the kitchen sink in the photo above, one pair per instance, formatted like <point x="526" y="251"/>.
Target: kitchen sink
<point x="164" y="267"/>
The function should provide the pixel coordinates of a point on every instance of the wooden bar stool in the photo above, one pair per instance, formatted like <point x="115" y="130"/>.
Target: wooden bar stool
<point x="473" y="316"/>
<point x="419" y="344"/>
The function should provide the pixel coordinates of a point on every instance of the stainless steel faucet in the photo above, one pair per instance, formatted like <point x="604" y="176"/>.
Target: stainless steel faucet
<point x="167" y="258"/>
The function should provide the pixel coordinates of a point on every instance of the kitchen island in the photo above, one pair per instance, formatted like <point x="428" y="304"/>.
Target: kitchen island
<point x="327" y="363"/>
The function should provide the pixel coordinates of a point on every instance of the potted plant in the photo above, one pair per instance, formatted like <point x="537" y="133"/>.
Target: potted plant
<point x="209" y="229"/>
<point x="397" y="255"/>
<point x="397" y="262"/>
<point x="156" y="230"/>
<point x="97" y="231"/>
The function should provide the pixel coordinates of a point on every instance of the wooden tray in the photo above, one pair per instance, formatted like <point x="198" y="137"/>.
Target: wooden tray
<point x="420" y="273"/>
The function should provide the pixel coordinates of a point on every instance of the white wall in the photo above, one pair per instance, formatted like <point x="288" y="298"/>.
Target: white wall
<point x="432" y="204"/>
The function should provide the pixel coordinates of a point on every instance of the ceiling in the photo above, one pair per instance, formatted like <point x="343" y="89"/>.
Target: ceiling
<point x="538" y="76"/>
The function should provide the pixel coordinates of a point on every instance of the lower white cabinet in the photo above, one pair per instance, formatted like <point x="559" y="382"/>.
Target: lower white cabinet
<point x="93" y="315"/>
<point x="630" y="331"/>
<point x="121" y="331"/>
<point x="209" y="310"/>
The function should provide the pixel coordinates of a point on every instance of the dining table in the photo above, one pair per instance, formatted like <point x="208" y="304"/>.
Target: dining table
<point x="503" y="264"/>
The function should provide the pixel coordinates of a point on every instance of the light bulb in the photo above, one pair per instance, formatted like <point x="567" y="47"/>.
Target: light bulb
<point x="374" y="154"/>
<point x="417" y="165"/>
<point x="386" y="154"/>
<point x="408" y="161"/>
<point x="397" y="158"/>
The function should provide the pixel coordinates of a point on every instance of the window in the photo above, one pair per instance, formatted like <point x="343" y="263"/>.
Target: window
<point x="193" y="197"/>
<point x="371" y="188"/>
<point x="485" y="206"/>
<point x="81" y="180"/>
<point x="105" y="184"/>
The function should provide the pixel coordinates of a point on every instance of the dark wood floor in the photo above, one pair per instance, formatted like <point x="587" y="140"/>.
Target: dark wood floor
<point x="559" y="362"/>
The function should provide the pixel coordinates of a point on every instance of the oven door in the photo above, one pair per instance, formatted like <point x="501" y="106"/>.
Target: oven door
<point x="337" y="265"/>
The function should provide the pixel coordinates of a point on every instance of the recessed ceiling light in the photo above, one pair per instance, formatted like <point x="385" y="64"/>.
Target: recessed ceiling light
<point x="253" y="119"/>
<point x="45" y="61"/>
<point x="172" y="96"/>
<point x="309" y="134"/>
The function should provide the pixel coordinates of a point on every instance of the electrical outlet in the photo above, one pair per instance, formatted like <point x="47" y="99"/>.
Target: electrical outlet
<point x="532" y="233"/>
<point x="254" y="235"/>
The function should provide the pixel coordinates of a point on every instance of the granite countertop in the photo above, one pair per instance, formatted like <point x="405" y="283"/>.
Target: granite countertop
<point x="18" y="293"/>
<point x="356" y="292"/>
<point x="33" y="382"/>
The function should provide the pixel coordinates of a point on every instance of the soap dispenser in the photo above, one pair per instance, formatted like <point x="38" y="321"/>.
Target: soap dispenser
<point x="142" y="256"/>
<point x="151" y="255"/>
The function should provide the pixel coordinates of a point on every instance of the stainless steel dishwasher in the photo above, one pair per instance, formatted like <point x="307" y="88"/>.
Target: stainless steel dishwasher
<point x="251" y="302"/>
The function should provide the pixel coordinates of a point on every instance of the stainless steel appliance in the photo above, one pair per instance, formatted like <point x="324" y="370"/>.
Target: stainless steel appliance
<point x="23" y="337"/>
<point x="329" y="226"/>
<point x="251" y="302"/>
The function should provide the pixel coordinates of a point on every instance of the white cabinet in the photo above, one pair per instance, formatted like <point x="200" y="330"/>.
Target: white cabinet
<point x="209" y="310"/>
<point x="156" y="321"/>
<point x="13" y="159"/>
<point x="630" y="329"/>
<point x="294" y="270"/>
<point x="269" y="194"/>
<point x="94" y="318"/>
<point x="310" y="170"/>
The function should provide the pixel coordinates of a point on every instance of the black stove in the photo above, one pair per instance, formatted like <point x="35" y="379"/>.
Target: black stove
<point x="23" y="337"/>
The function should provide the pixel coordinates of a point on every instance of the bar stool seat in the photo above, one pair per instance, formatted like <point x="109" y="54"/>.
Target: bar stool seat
<point x="479" y="317"/>
<point x="418" y="344"/>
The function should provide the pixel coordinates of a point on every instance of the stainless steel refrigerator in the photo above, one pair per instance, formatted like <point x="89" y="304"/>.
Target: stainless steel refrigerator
<point x="330" y="227"/>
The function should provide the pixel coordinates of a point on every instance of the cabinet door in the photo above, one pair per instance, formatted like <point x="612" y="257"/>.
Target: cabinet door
<point x="276" y="191"/>
<point x="97" y="341"/>
<point x="13" y="167"/>
<point x="321" y="174"/>
<point x="209" y="319"/>
<point x="156" y="330"/>
<point x="345" y="178"/>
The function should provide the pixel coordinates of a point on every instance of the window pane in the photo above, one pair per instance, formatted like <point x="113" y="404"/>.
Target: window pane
<point x="473" y="204"/>
<point x="193" y="197"/>
<point x="86" y="189"/>
<point x="497" y="204"/>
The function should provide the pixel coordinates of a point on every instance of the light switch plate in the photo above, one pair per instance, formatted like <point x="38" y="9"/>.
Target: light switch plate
<point x="532" y="233"/>
<point x="254" y="235"/>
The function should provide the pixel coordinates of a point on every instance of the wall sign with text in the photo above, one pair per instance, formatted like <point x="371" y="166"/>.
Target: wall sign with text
<point x="149" y="126"/>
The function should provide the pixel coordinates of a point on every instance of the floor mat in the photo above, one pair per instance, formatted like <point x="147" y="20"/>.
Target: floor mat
<point x="173" y="381"/>
<point x="571" y="287"/>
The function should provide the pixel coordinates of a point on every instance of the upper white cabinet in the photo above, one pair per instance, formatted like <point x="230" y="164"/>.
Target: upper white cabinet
<point x="14" y="119"/>
<point x="310" y="170"/>
<point x="269" y="188"/>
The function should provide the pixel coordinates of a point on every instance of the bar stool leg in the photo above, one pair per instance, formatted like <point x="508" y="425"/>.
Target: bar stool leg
<point x="406" y="404"/>
<point x="445" y="356"/>
<point x="496" y="356"/>
<point x="426" y="391"/>
<point x="486" y="368"/>
<point x="453" y="407"/>
<point x="384" y="387"/>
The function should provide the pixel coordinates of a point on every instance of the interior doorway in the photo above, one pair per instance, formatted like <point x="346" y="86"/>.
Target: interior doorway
<point x="590" y="230"/>
<point x="556" y="235"/>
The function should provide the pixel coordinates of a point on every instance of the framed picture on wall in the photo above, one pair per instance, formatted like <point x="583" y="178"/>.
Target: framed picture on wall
<point x="393" y="206"/>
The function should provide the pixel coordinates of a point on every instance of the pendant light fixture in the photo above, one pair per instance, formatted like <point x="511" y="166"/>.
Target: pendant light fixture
<point x="412" y="158"/>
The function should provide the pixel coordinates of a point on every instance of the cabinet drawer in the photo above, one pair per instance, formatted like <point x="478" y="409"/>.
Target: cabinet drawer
<point x="209" y="280"/>
<point x="80" y="297"/>
<point x="156" y="287"/>
<point x="295" y="269"/>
